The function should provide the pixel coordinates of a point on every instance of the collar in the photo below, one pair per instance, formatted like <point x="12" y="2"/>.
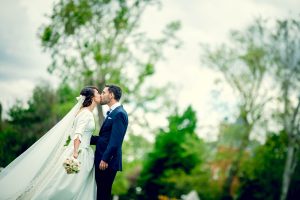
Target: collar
<point x="114" y="106"/>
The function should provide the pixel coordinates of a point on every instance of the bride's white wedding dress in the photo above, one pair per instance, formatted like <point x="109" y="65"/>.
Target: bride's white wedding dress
<point x="60" y="185"/>
<point x="39" y="174"/>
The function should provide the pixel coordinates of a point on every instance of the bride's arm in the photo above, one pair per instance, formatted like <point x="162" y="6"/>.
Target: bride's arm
<point x="76" y="146"/>
<point x="79" y="129"/>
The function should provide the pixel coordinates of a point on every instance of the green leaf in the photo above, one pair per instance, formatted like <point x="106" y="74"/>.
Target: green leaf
<point x="68" y="141"/>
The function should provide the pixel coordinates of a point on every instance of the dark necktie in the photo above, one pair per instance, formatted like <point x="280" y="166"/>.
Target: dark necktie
<point x="107" y="113"/>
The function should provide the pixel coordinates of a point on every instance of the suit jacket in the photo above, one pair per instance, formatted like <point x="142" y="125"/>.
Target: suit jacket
<point x="110" y="139"/>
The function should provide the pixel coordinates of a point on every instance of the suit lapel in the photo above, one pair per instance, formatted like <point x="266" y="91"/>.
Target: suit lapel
<point x="110" y="114"/>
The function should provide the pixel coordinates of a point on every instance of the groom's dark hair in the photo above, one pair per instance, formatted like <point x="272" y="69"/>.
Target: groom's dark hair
<point x="116" y="90"/>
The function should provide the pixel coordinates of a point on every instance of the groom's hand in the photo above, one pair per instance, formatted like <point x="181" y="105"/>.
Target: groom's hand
<point x="103" y="165"/>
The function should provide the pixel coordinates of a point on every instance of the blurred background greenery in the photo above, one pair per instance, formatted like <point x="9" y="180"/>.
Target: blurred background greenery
<point x="94" y="42"/>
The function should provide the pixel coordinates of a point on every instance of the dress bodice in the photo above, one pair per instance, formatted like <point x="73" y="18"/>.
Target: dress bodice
<point x="84" y="126"/>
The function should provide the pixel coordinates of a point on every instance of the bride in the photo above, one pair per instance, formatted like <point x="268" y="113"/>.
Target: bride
<point x="38" y="173"/>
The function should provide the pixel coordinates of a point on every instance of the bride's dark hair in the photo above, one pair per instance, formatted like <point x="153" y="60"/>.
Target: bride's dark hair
<point x="88" y="92"/>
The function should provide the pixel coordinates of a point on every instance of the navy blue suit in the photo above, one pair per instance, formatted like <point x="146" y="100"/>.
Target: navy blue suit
<point x="109" y="149"/>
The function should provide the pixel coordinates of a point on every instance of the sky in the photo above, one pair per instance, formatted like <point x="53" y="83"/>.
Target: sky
<point x="23" y="64"/>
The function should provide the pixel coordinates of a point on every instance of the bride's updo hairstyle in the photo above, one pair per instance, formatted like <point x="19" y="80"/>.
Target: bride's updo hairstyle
<point x="88" y="92"/>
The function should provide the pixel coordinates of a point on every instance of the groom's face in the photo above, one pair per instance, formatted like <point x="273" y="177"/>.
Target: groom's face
<point x="106" y="96"/>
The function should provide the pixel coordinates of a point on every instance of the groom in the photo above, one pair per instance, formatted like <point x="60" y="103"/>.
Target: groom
<point x="108" y="155"/>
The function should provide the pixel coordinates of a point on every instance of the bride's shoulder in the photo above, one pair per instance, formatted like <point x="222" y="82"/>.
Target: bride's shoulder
<point x="83" y="112"/>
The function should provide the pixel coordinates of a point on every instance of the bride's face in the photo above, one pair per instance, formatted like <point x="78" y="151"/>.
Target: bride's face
<point x="97" y="96"/>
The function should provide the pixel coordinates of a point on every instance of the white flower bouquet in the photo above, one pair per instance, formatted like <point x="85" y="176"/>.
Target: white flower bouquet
<point x="72" y="165"/>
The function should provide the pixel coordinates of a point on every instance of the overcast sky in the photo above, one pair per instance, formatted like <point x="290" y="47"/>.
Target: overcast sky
<point x="23" y="64"/>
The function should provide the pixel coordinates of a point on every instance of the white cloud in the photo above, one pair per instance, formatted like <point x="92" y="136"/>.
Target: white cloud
<point x="11" y="91"/>
<point x="22" y="64"/>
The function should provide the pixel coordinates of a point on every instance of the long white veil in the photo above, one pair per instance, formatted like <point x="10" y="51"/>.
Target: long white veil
<point x="26" y="171"/>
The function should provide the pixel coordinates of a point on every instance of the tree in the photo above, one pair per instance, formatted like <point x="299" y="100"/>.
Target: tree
<point x="135" y="148"/>
<point x="26" y="124"/>
<point x="230" y="137"/>
<point x="262" y="171"/>
<point x="37" y="118"/>
<point x="99" y="41"/>
<point x="243" y="63"/>
<point x="272" y="51"/>
<point x="177" y="151"/>
<point x="284" y="47"/>
<point x="1" y="117"/>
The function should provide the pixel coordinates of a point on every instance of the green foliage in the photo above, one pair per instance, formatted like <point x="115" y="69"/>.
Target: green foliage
<point x="185" y="123"/>
<point x="177" y="151"/>
<point x="199" y="180"/>
<point x="68" y="141"/>
<point x="121" y="185"/>
<point x="134" y="149"/>
<point x="37" y="118"/>
<point x="12" y="144"/>
<point x="294" y="189"/>
<point x="26" y="124"/>
<point x="231" y="134"/>
<point x="1" y="116"/>
<point x="65" y="96"/>
<point x="261" y="175"/>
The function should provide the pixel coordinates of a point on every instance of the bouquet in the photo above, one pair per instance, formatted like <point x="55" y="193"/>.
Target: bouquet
<point x="71" y="165"/>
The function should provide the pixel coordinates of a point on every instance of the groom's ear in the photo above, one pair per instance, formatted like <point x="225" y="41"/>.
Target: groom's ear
<point x="113" y="96"/>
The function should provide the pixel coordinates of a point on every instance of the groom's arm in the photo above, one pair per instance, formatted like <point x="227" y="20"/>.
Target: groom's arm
<point x="117" y="135"/>
<point x="94" y="140"/>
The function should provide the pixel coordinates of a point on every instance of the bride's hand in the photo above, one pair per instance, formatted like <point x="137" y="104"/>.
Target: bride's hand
<point x="75" y="155"/>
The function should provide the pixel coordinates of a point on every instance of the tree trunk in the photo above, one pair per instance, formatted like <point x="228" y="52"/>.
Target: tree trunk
<point x="100" y="84"/>
<point x="291" y="158"/>
<point x="228" y="182"/>
<point x="100" y="114"/>
<point x="226" y="195"/>
<point x="288" y="171"/>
